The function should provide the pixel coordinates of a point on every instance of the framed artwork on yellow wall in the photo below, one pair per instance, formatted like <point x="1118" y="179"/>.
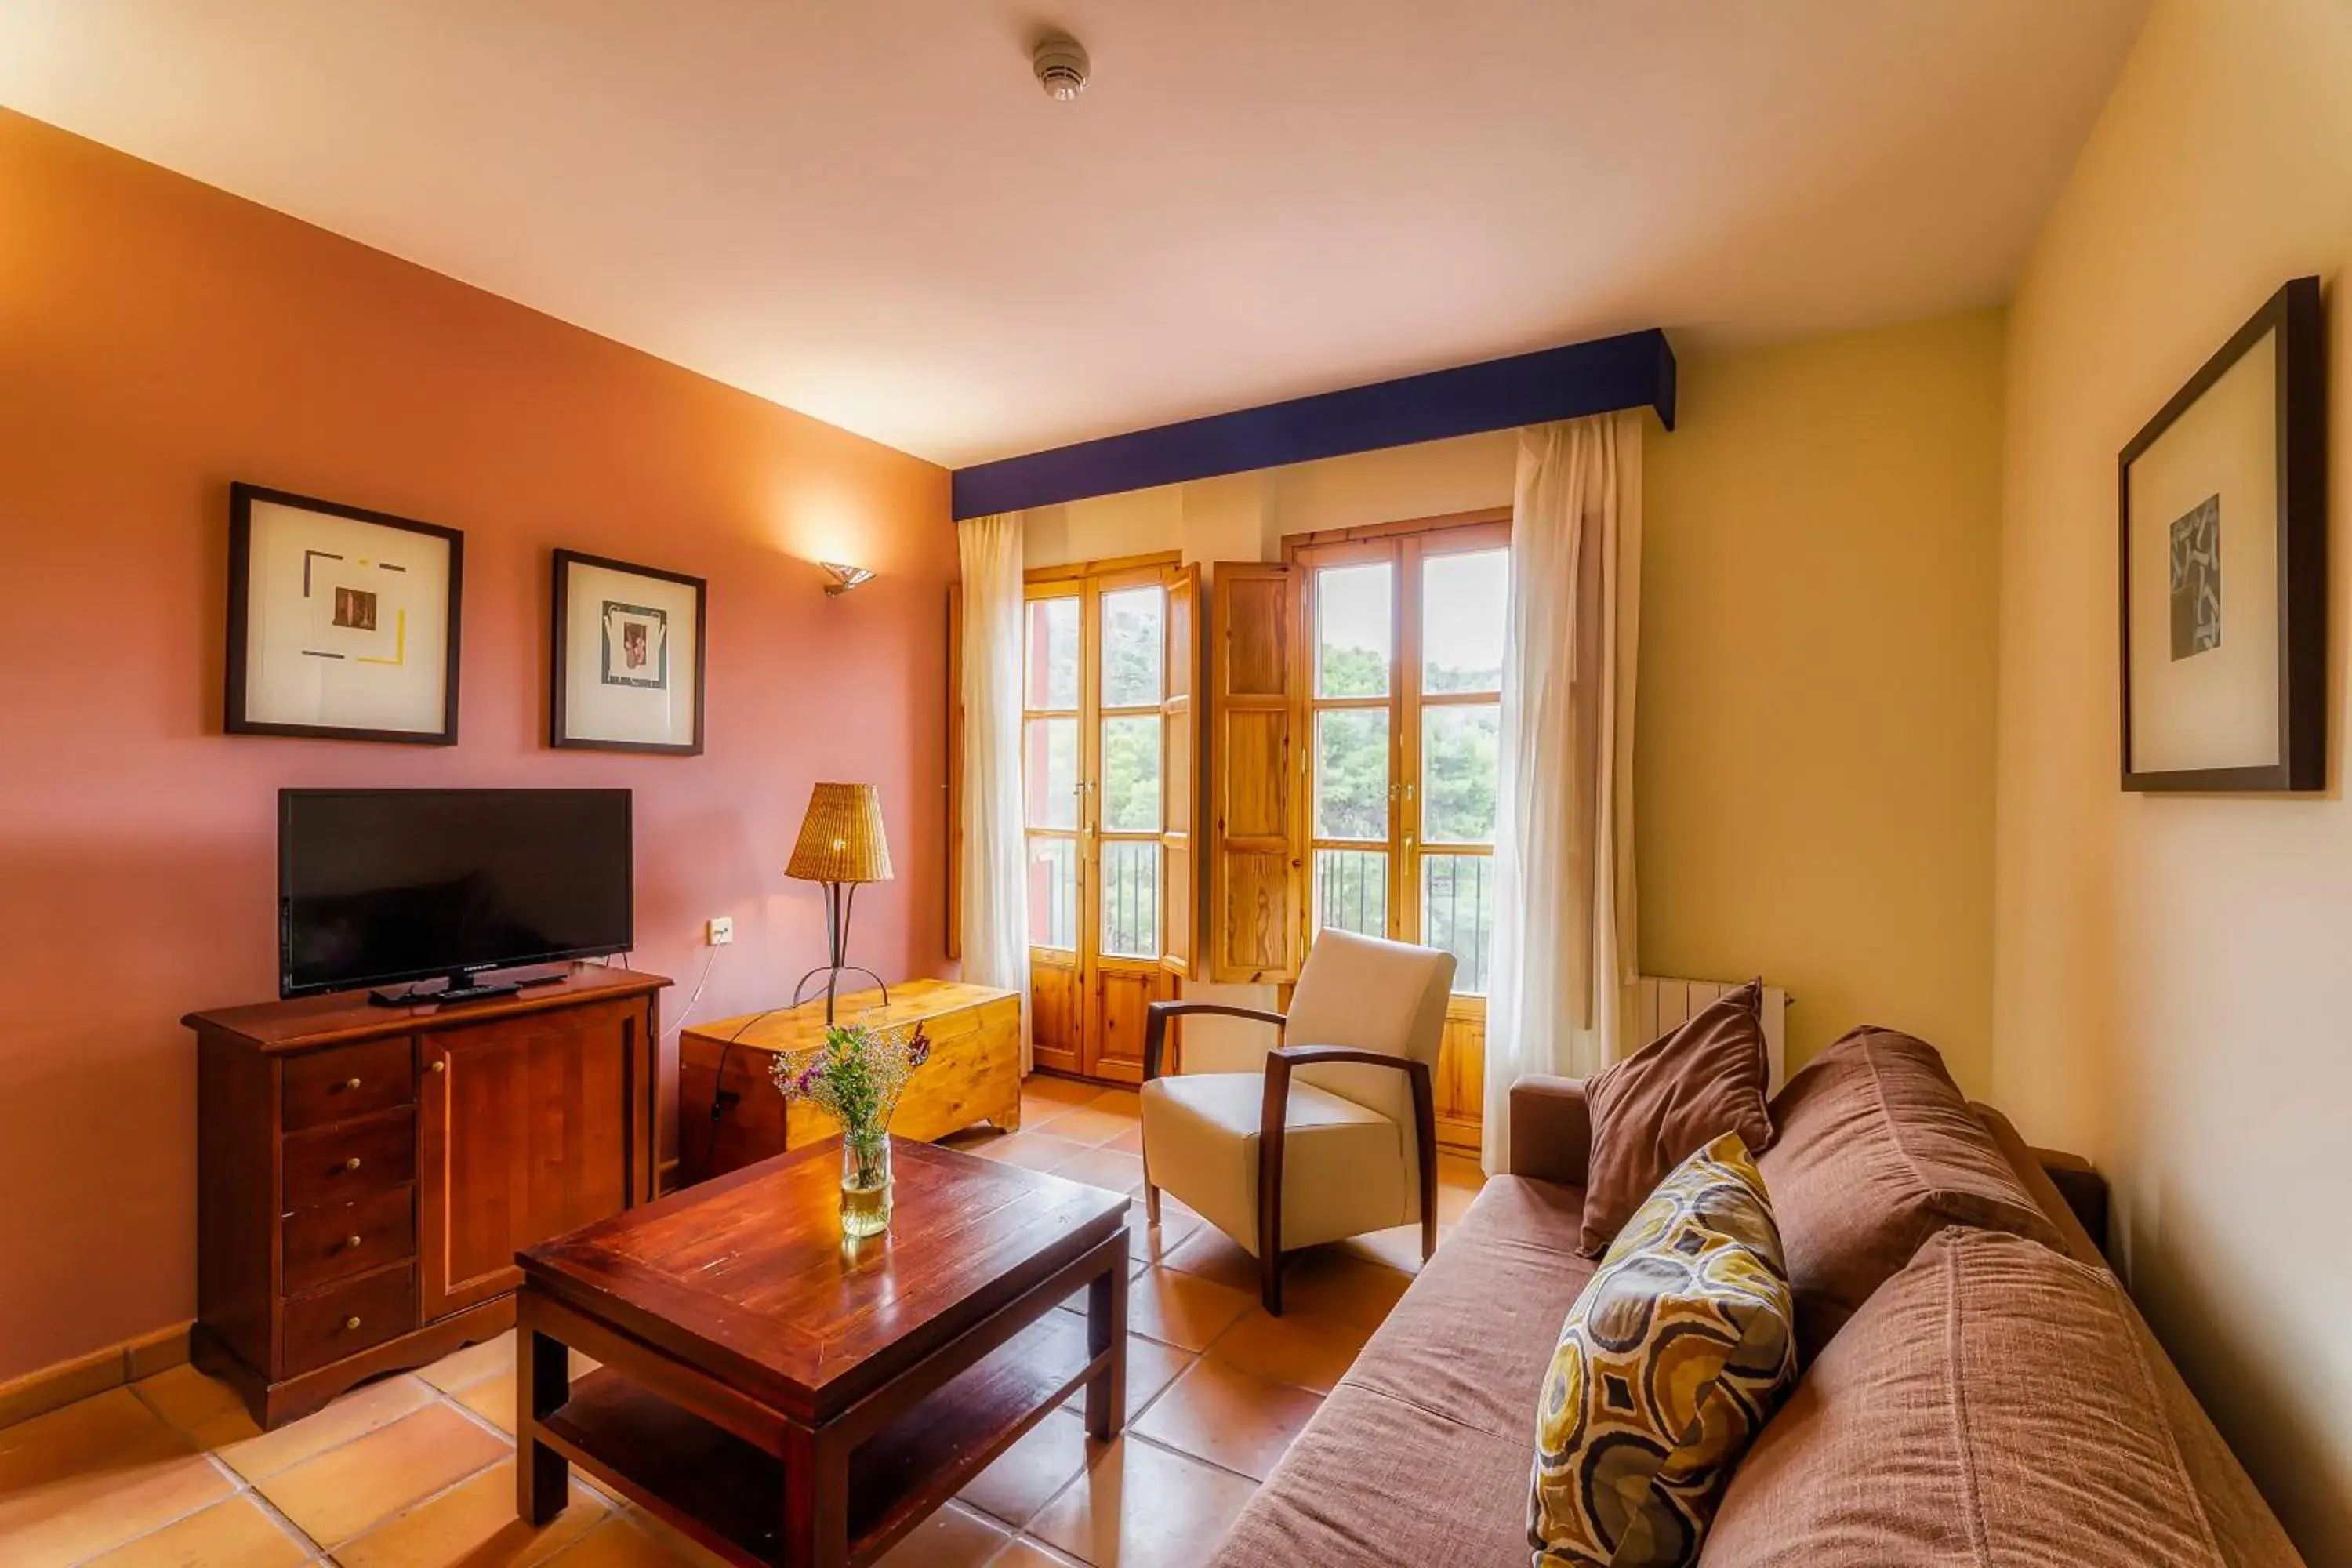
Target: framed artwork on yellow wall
<point x="342" y="623"/>
<point x="628" y="657"/>
<point x="2223" y="576"/>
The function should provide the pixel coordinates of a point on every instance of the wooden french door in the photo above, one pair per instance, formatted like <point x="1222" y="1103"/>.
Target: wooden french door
<point x="1399" y="698"/>
<point x="1108" y="776"/>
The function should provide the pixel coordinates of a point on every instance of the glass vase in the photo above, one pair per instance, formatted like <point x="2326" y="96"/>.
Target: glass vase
<point x="865" y="1184"/>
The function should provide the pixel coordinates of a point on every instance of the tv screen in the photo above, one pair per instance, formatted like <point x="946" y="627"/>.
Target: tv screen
<point x="376" y="887"/>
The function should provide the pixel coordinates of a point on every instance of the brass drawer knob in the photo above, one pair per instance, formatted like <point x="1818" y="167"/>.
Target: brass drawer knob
<point x="351" y="1083"/>
<point x="351" y="1323"/>
<point x="440" y="1065"/>
<point x="351" y="1244"/>
<point x="352" y="1163"/>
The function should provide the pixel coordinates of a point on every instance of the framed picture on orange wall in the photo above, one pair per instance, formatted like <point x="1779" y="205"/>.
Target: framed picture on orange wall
<point x="2223" y="578"/>
<point x="628" y="657"/>
<point x="342" y="622"/>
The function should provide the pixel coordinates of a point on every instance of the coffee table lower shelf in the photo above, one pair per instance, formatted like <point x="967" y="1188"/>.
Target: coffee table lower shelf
<point x="728" y="1495"/>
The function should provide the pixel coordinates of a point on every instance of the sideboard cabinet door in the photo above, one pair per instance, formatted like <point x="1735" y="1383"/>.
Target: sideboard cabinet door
<point x="524" y="1132"/>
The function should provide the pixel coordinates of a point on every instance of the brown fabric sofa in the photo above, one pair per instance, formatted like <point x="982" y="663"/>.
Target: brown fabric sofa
<point x="1421" y="1456"/>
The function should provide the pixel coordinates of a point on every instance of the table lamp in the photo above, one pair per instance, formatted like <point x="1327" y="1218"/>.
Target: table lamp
<point x="841" y="845"/>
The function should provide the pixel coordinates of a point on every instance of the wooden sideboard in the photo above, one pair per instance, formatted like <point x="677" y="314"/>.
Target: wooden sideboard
<point x="974" y="1073"/>
<point x="366" y="1174"/>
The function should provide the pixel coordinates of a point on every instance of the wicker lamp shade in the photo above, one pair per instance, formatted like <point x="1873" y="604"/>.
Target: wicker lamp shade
<point x="841" y="838"/>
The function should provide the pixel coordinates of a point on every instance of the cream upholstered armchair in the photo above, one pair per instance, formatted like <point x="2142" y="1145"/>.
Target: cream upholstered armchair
<point x="1336" y="1136"/>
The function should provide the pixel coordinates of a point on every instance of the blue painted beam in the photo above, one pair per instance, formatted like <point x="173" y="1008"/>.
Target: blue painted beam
<point x="1634" y="370"/>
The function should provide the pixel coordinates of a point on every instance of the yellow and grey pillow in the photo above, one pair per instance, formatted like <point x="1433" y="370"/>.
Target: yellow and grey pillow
<point x="1679" y="1349"/>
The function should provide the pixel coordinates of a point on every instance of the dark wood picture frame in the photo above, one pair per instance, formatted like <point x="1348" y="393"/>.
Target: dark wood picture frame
<point x="233" y="718"/>
<point x="2294" y="314"/>
<point x="559" y="673"/>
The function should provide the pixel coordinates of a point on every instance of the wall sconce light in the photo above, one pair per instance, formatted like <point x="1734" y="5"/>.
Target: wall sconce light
<point x="845" y="578"/>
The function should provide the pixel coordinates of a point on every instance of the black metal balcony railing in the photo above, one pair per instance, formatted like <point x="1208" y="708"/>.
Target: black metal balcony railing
<point x="1351" y="890"/>
<point x="1131" y="907"/>
<point x="1457" y="913"/>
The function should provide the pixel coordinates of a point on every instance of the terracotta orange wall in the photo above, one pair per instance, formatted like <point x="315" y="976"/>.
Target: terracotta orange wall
<point x="159" y="339"/>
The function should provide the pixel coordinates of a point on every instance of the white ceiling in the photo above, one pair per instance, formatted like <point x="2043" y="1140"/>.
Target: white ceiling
<point x="866" y="209"/>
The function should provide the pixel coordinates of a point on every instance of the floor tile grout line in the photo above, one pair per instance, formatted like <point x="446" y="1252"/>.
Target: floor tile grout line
<point x="449" y="1397"/>
<point x="237" y="1482"/>
<point x="340" y="1444"/>
<point x="278" y="1516"/>
<point x="411" y="1506"/>
<point x="252" y="1486"/>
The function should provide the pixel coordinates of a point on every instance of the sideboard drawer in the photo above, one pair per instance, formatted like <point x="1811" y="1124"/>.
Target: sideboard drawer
<point x="345" y="1164"/>
<point x="348" y="1082"/>
<point x="323" y="1245"/>
<point x="347" y="1319"/>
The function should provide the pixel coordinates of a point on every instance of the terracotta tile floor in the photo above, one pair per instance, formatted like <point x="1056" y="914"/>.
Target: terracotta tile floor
<point x="417" y="1471"/>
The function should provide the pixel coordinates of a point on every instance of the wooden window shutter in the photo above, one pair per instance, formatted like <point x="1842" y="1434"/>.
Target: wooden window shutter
<point x="1257" y="855"/>
<point x="954" y="789"/>
<point x="1179" y="846"/>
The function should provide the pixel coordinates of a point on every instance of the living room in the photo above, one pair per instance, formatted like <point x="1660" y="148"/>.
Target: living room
<point x="1470" y="534"/>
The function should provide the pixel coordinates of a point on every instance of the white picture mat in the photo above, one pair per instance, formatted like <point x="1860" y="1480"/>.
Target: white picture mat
<point x="392" y="678"/>
<point x="2219" y="709"/>
<point x="594" y="711"/>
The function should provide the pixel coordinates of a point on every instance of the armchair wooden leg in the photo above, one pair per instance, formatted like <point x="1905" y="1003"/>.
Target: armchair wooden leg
<point x="1428" y="1234"/>
<point x="1150" y="1204"/>
<point x="1273" y="1124"/>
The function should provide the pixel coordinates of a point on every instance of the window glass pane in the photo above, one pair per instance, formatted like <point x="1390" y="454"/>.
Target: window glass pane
<point x="1464" y="601"/>
<point x="1049" y="773"/>
<point x="1351" y="773"/>
<point x="1054" y="893"/>
<point x="1457" y="913"/>
<point x="1460" y="751"/>
<point x="1132" y="639"/>
<point x="1131" y="900"/>
<point x="1052" y="654"/>
<point x="1351" y="890"/>
<point x="1130" y="766"/>
<point x="1351" y="630"/>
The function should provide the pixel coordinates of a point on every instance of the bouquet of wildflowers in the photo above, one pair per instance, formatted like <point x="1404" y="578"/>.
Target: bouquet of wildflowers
<point x="856" y="1078"/>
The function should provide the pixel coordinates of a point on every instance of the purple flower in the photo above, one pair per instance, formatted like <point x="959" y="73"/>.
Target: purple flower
<point x="918" y="1050"/>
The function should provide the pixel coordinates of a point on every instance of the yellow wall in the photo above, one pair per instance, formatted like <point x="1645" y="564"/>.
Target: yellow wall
<point x="1813" y="742"/>
<point x="2169" y="972"/>
<point x="1814" y="733"/>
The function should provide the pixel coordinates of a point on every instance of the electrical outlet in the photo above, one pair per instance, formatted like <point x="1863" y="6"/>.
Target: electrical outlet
<point x="720" y="930"/>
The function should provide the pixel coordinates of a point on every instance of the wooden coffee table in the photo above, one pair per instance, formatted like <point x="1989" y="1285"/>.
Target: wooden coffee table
<point x="787" y="1397"/>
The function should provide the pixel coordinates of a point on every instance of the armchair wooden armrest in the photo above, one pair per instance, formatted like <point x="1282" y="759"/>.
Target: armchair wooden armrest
<point x="1274" y="1122"/>
<point x="1155" y="1024"/>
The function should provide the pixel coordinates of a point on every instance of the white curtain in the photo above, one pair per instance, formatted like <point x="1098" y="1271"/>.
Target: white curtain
<point x="995" y="891"/>
<point x="1564" y="917"/>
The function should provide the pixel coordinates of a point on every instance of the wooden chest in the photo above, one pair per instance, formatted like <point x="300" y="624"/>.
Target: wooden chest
<point x="973" y="1075"/>
<point x="366" y="1174"/>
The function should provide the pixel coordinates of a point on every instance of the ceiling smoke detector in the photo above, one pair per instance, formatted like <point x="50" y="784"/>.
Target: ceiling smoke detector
<point x="1062" y="66"/>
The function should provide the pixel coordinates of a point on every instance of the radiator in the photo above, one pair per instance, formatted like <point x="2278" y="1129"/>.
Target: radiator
<point x="1660" y="1003"/>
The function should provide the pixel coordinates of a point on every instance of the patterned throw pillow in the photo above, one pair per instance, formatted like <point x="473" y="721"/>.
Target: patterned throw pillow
<point x="1679" y="1349"/>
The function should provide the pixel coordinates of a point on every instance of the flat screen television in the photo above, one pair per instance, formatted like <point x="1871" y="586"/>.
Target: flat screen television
<point x="380" y="887"/>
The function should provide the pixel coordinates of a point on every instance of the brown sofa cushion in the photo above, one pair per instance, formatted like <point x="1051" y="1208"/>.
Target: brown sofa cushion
<point x="1422" y="1454"/>
<point x="1671" y="1098"/>
<point x="1377" y="1479"/>
<point x="1990" y="1404"/>
<point x="1472" y="1338"/>
<point x="1878" y="1151"/>
<point x="2249" y="1534"/>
